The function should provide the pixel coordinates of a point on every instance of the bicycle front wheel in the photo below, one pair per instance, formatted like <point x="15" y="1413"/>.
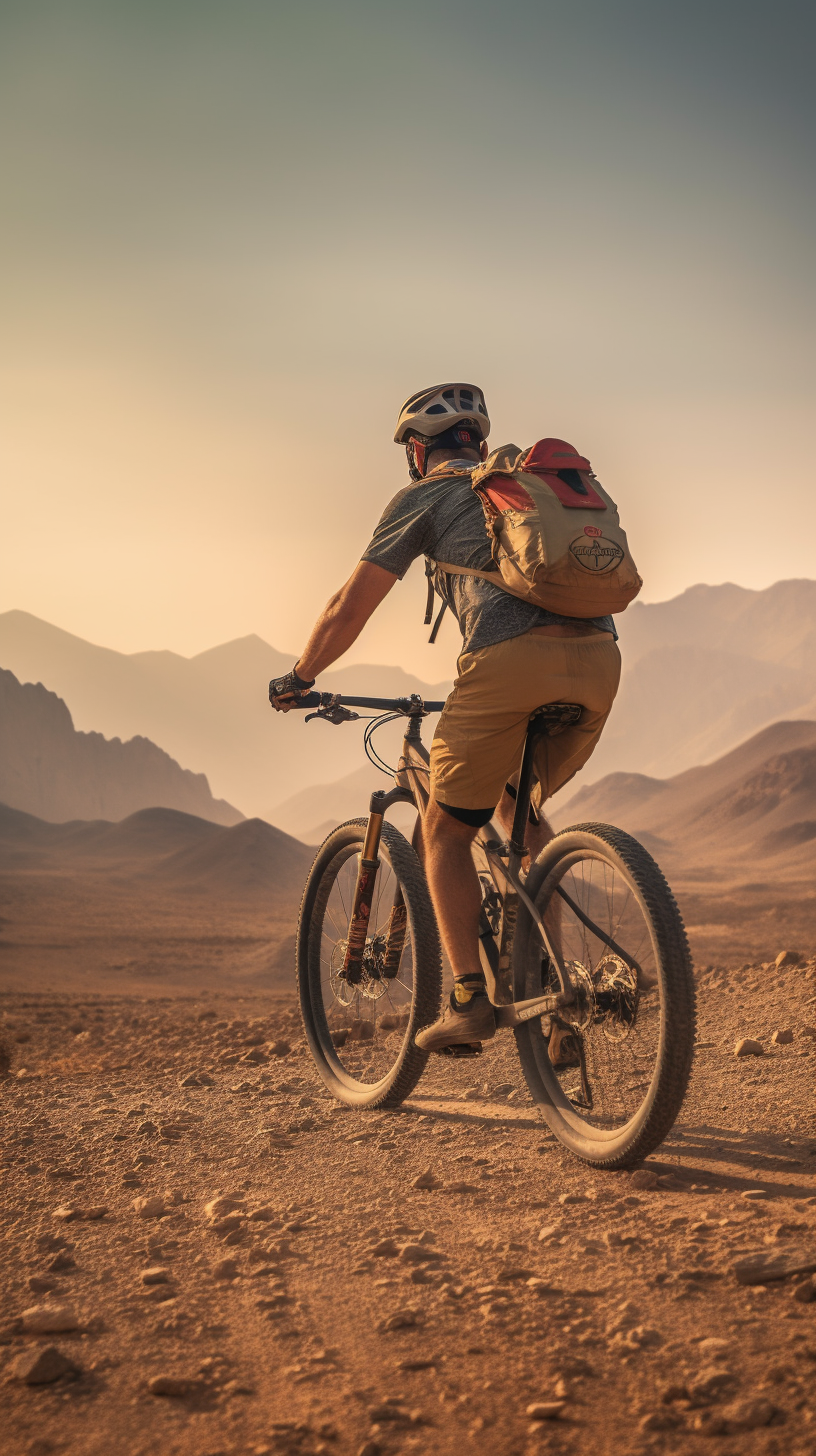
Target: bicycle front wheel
<point x="611" y="1073"/>
<point x="361" y="1033"/>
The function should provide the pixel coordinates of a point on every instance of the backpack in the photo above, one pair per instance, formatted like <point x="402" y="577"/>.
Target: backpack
<point x="555" y="535"/>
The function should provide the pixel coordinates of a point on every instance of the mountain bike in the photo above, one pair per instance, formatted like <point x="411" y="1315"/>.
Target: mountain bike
<point x="584" y="953"/>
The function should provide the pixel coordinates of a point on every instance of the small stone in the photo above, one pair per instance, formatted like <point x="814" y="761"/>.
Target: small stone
<point x="748" y="1048"/>
<point x="426" y="1180"/>
<point x="265" y="1214"/>
<point x="549" y="1231"/>
<point x="61" y="1261"/>
<point x="225" y="1269"/>
<point x="710" y="1423"/>
<point x="545" y="1410"/>
<point x="149" y="1207"/>
<point x="714" y="1347"/>
<point x="385" y="1249"/>
<point x="417" y="1253"/>
<point x="369" y="1448"/>
<point x="754" y="1194"/>
<point x="783" y="1037"/>
<point x="43" y="1367"/>
<point x="172" y="1385"/>
<point x="40" y="1285"/>
<point x="66" y="1212"/>
<point x="787" y="958"/>
<point x="762" y="1268"/>
<point x="803" y="1293"/>
<point x="748" y="1415"/>
<point x="147" y="1128"/>
<point x="567" y="1198"/>
<point x="660" y="1421"/>
<point x="191" y="1080"/>
<point x="205" y="1080"/>
<point x="155" y="1275"/>
<point x="642" y="1336"/>
<point x="644" y="1178"/>
<point x="255" y="1055"/>
<point x="49" y="1319"/>
<point x="711" y="1383"/>
<point x="279" y="1048"/>
<point x="217" y="1208"/>
<point x="401" y="1319"/>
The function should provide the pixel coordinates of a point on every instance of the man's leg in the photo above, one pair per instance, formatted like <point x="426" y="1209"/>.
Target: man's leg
<point x="454" y="887"/>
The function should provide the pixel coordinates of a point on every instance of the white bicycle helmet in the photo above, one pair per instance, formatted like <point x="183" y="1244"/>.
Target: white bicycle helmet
<point x="432" y="411"/>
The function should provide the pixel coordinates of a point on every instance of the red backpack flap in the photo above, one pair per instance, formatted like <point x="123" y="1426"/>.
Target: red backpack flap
<point x="566" y="472"/>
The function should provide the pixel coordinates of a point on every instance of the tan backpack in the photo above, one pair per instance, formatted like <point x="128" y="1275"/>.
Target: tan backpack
<point x="554" y="532"/>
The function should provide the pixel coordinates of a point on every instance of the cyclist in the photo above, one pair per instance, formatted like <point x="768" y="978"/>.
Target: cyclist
<point x="515" y="657"/>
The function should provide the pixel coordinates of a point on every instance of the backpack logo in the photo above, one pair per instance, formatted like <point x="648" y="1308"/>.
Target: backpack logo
<point x="597" y="554"/>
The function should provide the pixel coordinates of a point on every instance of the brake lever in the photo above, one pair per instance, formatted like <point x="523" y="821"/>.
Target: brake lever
<point x="333" y="714"/>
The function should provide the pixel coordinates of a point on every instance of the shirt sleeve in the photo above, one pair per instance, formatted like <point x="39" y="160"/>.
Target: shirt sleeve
<point x="404" y="532"/>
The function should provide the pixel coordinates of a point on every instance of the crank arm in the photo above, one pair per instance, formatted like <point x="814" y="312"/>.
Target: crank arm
<point x="521" y="1011"/>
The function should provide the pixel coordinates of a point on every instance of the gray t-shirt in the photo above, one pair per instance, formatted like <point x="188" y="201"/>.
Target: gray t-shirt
<point x="443" y="518"/>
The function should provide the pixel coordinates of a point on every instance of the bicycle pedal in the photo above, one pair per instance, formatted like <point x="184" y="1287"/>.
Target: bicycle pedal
<point x="464" y="1049"/>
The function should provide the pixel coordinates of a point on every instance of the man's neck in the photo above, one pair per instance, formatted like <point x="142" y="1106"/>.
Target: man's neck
<point x="441" y="457"/>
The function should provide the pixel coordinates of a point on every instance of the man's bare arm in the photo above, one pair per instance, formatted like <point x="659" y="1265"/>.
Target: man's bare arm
<point x="343" y="619"/>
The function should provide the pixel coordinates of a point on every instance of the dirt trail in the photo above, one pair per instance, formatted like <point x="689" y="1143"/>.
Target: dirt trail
<point x="329" y="1305"/>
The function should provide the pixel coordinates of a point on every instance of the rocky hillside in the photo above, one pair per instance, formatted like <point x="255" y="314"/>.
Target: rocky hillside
<point x="755" y="806"/>
<point x="49" y="769"/>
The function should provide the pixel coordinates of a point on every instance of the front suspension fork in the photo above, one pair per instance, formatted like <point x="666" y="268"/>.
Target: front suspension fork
<point x="364" y="893"/>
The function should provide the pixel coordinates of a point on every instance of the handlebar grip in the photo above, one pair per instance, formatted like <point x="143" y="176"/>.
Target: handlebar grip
<point x="309" y="700"/>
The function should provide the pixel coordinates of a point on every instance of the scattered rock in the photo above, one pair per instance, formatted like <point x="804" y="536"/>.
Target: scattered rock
<point x="225" y="1269"/>
<point x="549" y="1231"/>
<point x="43" y="1367"/>
<point x="385" y="1249"/>
<point x="219" y="1207"/>
<point x="714" y="1348"/>
<point x="748" y="1048"/>
<point x="461" y="1188"/>
<point x="279" y="1048"/>
<point x="425" y="1180"/>
<point x="155" y="1275"/>
<point x="754" y="1194"/>
<point x="644" y="1178"/>
<point x="40" y="1285"/>
<point x="255" y="1055"/>
<point x="545" y="1410"/>
<point x="782" y="1037"/>
<point x="747" y="1415"/>
<point x="763" y="1268"/>
<point x="712" y="1383"/>
<point x="803" y="1293"/>
<point x="787" y="958"/>
<point x="173" y="1386"/>
<point x="567" y="1198"/>
<point x="663" y="1420"/>
<point x="149" y="1207"/>
<point x="66" y="1212"/>
<point x="401" y="1319"/>
<point x="61" y="1261"/>
<point x="265" y="1214"/>
<point x="147" y="1128"/>
<point x="49" y="1319"/>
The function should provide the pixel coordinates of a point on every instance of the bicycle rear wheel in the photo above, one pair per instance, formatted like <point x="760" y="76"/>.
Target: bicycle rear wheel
<point x="361" y="1035"/>
<point x="611" y="1076"/>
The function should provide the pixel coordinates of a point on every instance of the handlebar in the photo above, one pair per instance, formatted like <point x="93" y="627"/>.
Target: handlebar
<point x="410" y="707"/>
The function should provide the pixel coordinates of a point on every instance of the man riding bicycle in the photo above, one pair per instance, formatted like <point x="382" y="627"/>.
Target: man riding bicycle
<point x="515" y="657"/>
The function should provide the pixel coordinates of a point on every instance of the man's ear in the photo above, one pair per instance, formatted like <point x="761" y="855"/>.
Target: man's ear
<point x="483" y="450"/>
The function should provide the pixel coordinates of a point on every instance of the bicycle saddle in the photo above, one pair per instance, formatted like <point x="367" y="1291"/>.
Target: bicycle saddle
<point x="554" y="717"/>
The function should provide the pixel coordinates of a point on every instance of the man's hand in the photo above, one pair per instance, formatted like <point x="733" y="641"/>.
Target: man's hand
<point x="284" y="692"/>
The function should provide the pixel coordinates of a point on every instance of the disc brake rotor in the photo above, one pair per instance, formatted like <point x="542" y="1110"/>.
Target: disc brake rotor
<point x="371" y="984"/>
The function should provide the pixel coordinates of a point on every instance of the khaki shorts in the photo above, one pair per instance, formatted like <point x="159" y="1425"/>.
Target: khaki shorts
<point x="480" y="737"/>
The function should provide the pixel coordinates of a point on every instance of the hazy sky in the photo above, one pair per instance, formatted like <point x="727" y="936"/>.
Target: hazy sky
<point x="235" y="236"/>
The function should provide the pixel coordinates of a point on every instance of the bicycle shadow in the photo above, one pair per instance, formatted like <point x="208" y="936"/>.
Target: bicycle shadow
<point x="759" y="1160"/>
<point x="474" y="1114"/>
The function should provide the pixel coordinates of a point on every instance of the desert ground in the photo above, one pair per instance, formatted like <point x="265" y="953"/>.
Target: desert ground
<point x="205" y="1255"/>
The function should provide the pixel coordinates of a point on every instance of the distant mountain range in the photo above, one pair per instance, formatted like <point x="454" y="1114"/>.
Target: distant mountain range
<point x="49" y="769"/>
<point x="173" y="852"/>
<point x="753" y="810"/>
<point x="210" y="712"/>
<point x="701" y="674"/>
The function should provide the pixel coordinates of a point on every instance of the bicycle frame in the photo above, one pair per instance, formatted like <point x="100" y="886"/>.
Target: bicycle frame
<point x="497" y="860"/>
